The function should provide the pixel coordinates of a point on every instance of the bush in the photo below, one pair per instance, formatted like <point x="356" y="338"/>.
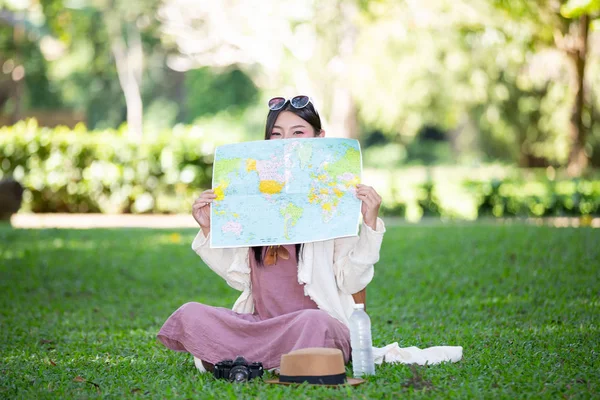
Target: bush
<point x="393" y="209"/>
<point x="569" y="197"/>
<point x="75" y="170"/>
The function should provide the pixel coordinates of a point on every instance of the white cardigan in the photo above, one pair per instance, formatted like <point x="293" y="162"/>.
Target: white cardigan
<point x="331" y="271"/>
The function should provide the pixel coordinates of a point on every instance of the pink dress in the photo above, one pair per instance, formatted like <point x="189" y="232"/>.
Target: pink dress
<point x="284" y="320"/>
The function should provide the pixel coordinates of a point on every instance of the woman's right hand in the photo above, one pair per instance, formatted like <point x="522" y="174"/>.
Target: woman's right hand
<point x="201" y="210"/>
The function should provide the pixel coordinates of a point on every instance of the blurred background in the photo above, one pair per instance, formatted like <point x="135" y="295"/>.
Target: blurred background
<point x="464" y="108"/>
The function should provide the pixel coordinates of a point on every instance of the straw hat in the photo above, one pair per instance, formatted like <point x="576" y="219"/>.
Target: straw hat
<point x="317" y="366"/>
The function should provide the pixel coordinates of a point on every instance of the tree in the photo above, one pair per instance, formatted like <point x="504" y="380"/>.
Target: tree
<point x="463" y="63"/>
<point x="414" y="65"/>
<point x="126" y="47"/>
<point x="581" y="12"/>
<point x="567" y="28"/>
<point x="307" y="46"/>
<point x="22" y="61"/>
<point x="113" y="29"/>
<point x="125" y="21"/>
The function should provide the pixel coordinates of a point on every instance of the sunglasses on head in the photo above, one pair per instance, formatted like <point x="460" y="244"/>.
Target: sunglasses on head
<point x="277" y="103"/>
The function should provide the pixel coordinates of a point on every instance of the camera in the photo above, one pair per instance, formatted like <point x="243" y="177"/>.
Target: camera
<point x="238" y="370"/>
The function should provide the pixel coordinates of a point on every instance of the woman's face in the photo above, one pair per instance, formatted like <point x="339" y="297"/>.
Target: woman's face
<point x="288" y="125"/>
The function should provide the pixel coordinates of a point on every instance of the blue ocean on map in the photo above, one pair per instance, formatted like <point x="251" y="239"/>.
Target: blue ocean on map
<point x="285" y="191"/>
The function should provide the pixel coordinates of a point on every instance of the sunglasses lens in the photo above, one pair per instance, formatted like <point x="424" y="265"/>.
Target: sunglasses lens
<point x="276" y="103"/>
<point x="300" y="101"/>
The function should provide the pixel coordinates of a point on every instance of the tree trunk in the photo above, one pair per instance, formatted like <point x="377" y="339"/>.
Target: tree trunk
<point x="578" y="159"/>
<point x="343" y="113"/>
<point x="343" y="119"/>
<point x="178" y="92"/>
<point x="19" y="83"/>
<point x="129" y="58"/>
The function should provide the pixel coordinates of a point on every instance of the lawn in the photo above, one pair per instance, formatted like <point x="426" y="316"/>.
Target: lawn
<point x="80" y="311"/>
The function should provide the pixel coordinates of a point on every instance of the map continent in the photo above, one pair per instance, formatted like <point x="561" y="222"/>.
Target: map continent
<point x="285" y="191"/>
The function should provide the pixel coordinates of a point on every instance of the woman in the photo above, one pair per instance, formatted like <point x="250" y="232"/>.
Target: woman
<point x="293" y="296"/>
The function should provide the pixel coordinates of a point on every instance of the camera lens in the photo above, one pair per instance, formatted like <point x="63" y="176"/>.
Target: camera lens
<point x="240" y="377"/>
<point x="238" y="374"/>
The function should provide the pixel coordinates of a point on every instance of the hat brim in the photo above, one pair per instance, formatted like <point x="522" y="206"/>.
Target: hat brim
<point x="349" y="382"/>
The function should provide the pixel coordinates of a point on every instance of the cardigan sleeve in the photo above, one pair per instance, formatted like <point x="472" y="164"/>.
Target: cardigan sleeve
<point x="231" y="264"/>
<point x="354" y="258"/>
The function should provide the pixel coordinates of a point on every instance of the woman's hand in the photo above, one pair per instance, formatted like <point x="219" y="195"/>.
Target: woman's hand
<point x="370" y="206"/>
<point x="201" y="210"/>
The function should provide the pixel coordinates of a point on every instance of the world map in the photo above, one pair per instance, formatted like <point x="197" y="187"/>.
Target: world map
<point x="285" y="191"/>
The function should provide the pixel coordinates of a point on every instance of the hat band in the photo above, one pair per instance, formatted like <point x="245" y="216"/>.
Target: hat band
<point x="316" y="380"/>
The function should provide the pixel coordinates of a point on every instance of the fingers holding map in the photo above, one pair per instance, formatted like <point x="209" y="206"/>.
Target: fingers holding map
<point x="285" y="191"/>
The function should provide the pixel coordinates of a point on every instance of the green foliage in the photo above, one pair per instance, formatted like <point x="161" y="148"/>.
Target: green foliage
<point x="540" y="199"/>
<point x="556" y="25"/>
<point x="19" y="49"/>
<point x="429" y="153"/>
<point x="382" y="153"/>
<point x="487" y="71"/>
<point x="428" y="201"/>
<point x="389" y="155"/>
<point x="523" y="121"/>
<point x="209" y="92"/>
<point x="411" y="79"/>
<point x="396" y="209"/>
<point x="497" y="192"/>
<point x="105" y="171"/>
<point x="78" y="171"/>
<point x="577" y="8"/>
<point x="82" y="75"/>
<point x="84" y="308"/>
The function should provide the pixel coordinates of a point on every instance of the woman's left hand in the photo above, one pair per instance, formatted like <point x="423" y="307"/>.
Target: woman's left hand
<point x="370" y="206"/>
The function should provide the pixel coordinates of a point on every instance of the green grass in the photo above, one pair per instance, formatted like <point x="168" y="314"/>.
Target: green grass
<point x="80" y="311"/>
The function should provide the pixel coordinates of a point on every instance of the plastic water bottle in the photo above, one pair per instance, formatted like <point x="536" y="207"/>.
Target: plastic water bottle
<point x="360" y="340"/>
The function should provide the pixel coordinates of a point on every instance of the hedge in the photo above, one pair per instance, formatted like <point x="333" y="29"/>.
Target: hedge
<point x="67" y="170"/>
<point x="78" y="171"/>
<point x="546" y="198"/>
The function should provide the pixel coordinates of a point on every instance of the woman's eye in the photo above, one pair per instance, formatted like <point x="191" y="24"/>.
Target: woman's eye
<point x="298" y="133"/>
<point x="275" y="134"/>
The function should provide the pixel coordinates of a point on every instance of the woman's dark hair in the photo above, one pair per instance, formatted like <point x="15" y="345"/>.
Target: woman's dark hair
<point x="310" y="115"/>
<point x="307" y="113"/>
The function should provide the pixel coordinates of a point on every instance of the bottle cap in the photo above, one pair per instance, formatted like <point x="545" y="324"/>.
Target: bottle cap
<point x="358" y="306"/>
